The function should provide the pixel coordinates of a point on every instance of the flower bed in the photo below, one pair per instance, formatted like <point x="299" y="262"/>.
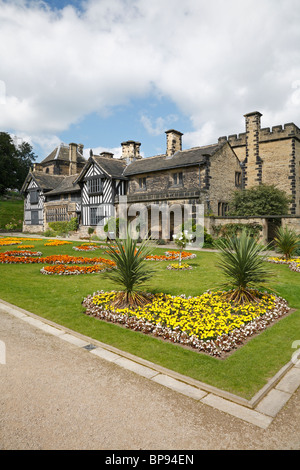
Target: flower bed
<point x="293" y="263"/>
<point x="179" y="267"/>
<point x="170" y="255"/>
<point x="85" y="247"/>
<point x="54" y="259"/>
<point x="62" y="269"/>
<point x="26" y="246"/>
<point x="9" y="242"/>
<point x="22" y="253"/>
<point x="207" y="323"/>
<point x="57" y="243"/>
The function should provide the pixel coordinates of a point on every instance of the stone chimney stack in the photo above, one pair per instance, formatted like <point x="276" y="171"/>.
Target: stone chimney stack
<point x="174" y="142"/>
<point x="80" y="148"/>
<point x="253" y="162"/>
<point x="37" y="167"/>
<point x="106" y="154"/>
<point x="72" y="159"/>
<point x="130" y="151"/>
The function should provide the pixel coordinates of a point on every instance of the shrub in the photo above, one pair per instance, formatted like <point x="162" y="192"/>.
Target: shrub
<point x="259" y="200"/>
<point x="132" y="270"/>
<point x="242" y="262"/>
<point x="287" y="242"/>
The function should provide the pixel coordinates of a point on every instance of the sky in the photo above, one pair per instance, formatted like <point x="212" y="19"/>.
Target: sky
<point x="100" y="72"/>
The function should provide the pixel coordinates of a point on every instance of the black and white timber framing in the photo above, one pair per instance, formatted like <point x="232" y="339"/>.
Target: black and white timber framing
<point x="99" y="187"/>
<point x="34" y="204"/>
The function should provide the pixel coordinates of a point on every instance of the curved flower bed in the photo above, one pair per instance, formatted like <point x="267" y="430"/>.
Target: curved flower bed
<point x="182" y="267"/>
<point x="62" y="269"/>
<point x="26" y="246"/>
<point x="57" y="243"/>
<point x="171" y="255"/>
<point x="207" y="323"/>
<point x="22" y="253"/>
<point x="5" y="241"/>
<point x="293" y="263"/>
<point x="54" y="259"/>
<point x="85" y="247"/>
<point x="9" y="242"/>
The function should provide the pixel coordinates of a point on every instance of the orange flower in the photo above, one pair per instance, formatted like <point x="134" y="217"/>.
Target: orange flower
<point x="64" y="269"/>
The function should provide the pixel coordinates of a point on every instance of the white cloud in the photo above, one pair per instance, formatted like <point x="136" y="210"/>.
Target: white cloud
<point x="215" y="60"/>
<point x="158" y="125"/>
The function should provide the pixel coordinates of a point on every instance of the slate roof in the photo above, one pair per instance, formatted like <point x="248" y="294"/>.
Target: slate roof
<point x="66" y="185"/>
<point x="62" y="153"/>
<point x="113" y="167"/>
<point x="45" y="182"/>
<point x="194" y="156"/>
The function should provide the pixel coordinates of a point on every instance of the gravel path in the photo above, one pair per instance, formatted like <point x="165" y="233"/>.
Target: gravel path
<point x="56" y="396"/>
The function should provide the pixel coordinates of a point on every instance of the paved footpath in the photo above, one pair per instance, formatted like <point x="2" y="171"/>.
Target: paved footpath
<point x="59" y="390"/>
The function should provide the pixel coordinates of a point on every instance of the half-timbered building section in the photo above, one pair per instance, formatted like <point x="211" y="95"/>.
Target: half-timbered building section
<point x="35" y="187"/>
<point x="63" y="202"/>
<point x="101" y="182"/>
<point x="49" y="192"/>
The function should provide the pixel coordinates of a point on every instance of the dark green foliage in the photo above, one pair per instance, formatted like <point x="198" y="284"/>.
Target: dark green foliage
<point x="259" y="200"/>
<point x="131" y="269"/>
<point x="287" y="241"/>
<point x="64" y="227"/>
<point x="15" y="163"/>
<point x="242" y="262"/>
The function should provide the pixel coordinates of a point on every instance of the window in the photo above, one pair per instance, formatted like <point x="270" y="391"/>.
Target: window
<point x="95" y="186"/>
<point x="142" y="183"/>
<point x="223" y="208"/>
<point x="96" y="217"/>
<point x="34" y="197"/>
<point x="34" y="217"/>
<point x="177" y="179"/>
<point x="238" y="179"/>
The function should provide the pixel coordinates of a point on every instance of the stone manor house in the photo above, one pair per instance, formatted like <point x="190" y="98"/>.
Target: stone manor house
<point x="66" y="185"/>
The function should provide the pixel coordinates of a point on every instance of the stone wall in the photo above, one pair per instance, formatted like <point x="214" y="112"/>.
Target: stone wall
<point x="270" y="156"/>
<point x="292" y="222"/>
<point x="32" y="228"/>
<point x="222" y="168"/>
<point x="211" y="222"/>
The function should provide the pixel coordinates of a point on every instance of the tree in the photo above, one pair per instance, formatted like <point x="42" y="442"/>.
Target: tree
<point x="243" y="264"/>
<point x="15" y="162"/>
<point x="259" y="200"/>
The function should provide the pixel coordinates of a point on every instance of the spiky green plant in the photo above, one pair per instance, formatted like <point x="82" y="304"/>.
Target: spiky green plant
<point x="242" y="260"/>
<point x="286" y="241"/>
<point x="131" y="271"/>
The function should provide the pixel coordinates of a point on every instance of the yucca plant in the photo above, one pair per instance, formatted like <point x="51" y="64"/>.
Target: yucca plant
<point x="131" y="271"/>
<point x="242" y="260"/>
<point x="286" y="241"/>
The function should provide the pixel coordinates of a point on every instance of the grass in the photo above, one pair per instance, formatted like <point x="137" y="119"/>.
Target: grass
<point x="58" y="298"/>
<point x="11" y="211"/>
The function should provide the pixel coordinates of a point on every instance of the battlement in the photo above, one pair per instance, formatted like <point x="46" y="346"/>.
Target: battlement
<point x="265" y="134"/>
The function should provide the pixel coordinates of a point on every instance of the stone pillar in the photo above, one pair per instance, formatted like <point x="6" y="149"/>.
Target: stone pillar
<point x="174" y="142"/>
<point x="72" y="159"/>
<point x="253" y="162"/>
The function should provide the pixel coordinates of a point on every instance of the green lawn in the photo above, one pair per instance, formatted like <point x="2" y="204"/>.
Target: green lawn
<point x="11" y="211"/>
<point x="58" y="298"/>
